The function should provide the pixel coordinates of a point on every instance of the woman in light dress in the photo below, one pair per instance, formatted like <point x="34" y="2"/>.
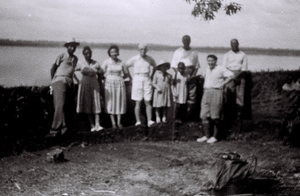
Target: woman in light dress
<point x="115" y="90"/>
<point x="89" y="89"/>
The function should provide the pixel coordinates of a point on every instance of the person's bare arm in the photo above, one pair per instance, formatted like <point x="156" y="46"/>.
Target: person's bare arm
<point x="53" y="70"/>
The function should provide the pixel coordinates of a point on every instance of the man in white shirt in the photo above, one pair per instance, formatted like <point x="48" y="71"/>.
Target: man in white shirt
<point x="212" y="101"/>
<point x="142" y="85"/>
<point x="185" y="53"/>
<point x="236" y="61"/>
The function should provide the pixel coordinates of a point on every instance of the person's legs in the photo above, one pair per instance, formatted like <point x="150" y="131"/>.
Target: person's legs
<point x="113" y="121"/>
<point x="69" y="109"/>
<point x="119" y="121"/>
<point x="206" y="128"/>
<point x="181" y="112"/>
<point x="157" y="115"/>
<point x="215" y="111"/>
<point x="137" y="110"/>
<point x="149" y="113"/>
<point x="97" y="122"/>
<point x="190" y="111"/>
<point x="147" y="95"/>
<point x="217" y="128"/>
<point x="137" y="96"/>
<point x="164" y="113"/>
<point x="59" y="98"/>
<point x="177" y="111"/>
<point x="205" y="117"/>
<point x="91" y="121"/>
<point x="240" y="92"/>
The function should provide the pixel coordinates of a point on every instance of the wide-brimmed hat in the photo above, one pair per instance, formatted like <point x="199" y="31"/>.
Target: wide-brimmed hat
<point x="72" y="41"/>
<point x="161" y="63"/>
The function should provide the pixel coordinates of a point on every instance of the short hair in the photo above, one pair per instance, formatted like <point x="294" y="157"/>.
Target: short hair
<point x="212" y="56"/>
<point x="186" y="36"/>
<point x="181" y="63"/>
<point x="142" y="45"/>
<point x="234" y="40"/>
<point x="86" y="48"/>
<point x="112" y="47"/>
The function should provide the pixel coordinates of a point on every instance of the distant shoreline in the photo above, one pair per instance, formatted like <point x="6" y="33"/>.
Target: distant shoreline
<point x="253" y="51"/>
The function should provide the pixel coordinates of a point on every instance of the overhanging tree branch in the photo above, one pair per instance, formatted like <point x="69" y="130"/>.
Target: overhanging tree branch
<point x="206" y="9"/>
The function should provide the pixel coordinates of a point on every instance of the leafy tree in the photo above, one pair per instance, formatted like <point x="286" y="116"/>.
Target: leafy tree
<point x="207" y="8"/>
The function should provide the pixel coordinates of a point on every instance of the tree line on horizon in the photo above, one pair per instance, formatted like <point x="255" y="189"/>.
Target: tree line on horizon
<point x="159" y="47"/>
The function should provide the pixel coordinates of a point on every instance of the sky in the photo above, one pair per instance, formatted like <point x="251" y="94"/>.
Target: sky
<point x="260" y="24"/>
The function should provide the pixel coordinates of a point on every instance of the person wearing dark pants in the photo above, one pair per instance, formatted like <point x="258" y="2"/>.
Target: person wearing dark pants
<point x="62" y="73"/>
<point x="212" y="100"/>
<point x="236" y="61"/>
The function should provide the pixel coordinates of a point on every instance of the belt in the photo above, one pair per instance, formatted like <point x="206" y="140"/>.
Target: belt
<point x="63" y="76"/>
<point x="142" y="74"/>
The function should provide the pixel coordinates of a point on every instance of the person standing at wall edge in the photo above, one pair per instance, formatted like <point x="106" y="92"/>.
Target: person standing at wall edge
<point x="62" y="72"/>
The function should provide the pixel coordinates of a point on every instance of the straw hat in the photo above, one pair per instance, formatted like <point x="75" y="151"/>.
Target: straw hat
<point x="72" y="41"/>
<point x="162" y="62"/>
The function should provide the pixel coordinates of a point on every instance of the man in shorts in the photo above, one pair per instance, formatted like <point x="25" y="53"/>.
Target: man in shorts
<point x="142" y="85"/>
<point x="212" y="101"/>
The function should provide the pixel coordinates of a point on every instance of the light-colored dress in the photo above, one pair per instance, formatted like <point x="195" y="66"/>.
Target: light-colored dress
<point x="115" y="90"/>
<point x="162" y="99"/>
<point x="88" y="100"/>
<point x="180" y="89"/>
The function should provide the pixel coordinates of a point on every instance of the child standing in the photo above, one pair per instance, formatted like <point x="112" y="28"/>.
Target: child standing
<point x="162" y="91"/>
<point x="180" y="92"/>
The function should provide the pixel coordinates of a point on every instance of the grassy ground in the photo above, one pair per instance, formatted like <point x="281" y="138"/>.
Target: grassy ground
<point x="124" y="164"/>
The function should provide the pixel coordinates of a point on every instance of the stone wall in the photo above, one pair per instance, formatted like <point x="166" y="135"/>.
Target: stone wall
<point x="29" y="110"/>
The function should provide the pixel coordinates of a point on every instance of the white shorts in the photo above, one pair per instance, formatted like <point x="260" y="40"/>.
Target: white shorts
<point x="141" y="88"/>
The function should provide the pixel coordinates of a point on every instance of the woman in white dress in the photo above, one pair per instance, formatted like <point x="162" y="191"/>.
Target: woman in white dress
<point x="115" y="90"/>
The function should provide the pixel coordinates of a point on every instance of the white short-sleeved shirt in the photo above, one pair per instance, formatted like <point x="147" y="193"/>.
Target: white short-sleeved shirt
<point x="141" y="65"/>
<point x="214" y="78"/>
<point x="181" y="55"/>
<point x="235" y="61"/>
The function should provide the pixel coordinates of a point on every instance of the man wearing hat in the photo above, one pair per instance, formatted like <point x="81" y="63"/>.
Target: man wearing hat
<point x="212" y="101"/>
<point x="142" y="85"/>
<point x="62" y="72"/>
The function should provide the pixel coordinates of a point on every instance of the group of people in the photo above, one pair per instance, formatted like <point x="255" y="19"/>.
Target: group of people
<point x="157" y="85"/>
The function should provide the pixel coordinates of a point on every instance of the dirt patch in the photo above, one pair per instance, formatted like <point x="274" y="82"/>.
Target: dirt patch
<point x="137" y="168"/>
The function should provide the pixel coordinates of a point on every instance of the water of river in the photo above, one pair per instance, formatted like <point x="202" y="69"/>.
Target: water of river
<point x="31" y="65"/>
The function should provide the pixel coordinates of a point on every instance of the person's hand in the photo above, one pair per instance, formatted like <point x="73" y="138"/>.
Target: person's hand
<point x="88" y="71"/>
<point x="128" y="82"/>
<point x="159" y="91"/>
<point x="188" y="79"/>
<point x="175" y="97"/>
<point x="50" y="90"/>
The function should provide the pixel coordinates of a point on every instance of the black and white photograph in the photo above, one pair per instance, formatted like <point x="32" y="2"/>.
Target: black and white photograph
<point x="150" y="98"/>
